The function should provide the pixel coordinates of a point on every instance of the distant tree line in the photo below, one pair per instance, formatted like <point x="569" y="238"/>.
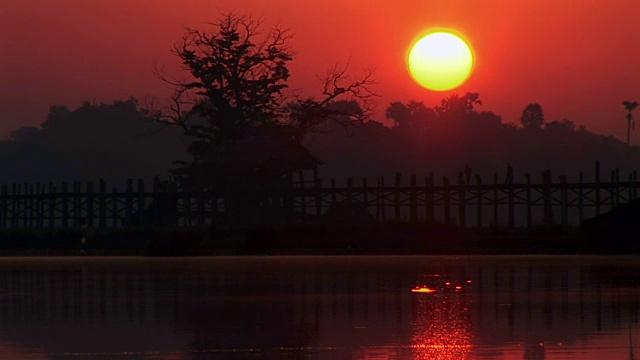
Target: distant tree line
<point x="235" y="92"/>
<point x="112" y="141"/>
<point x="119" y="140"/>
<point x="454" y="134"/>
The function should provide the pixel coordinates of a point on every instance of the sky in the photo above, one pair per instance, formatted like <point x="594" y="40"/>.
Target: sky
<point x="578" y="59"/>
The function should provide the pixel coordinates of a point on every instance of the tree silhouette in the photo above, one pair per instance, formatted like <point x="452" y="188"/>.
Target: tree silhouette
<point x="458" y="107"/>
<point x="532" y="117"/>
<point x="235" y="91"/>
<point x="410" y="117"/>
<point x="247" y="130"/>
<point x="562" y="127"/>
<point x="629" y="106"/>
<point x="399" y="113"/>
<point x="114" y="141"/>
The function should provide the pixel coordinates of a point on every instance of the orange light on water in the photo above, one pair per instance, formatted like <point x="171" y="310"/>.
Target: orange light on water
<point x="422" y="289"/>
<point x="442" y="328"/>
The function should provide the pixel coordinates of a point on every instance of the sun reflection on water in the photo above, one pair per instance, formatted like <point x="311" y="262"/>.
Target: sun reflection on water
<point x="442" y="325"/>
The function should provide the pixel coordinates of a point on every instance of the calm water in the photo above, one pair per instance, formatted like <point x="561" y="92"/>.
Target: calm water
<point x="320" y="308"/>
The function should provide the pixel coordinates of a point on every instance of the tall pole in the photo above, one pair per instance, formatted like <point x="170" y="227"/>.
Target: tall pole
<point x="629" y="106"/>
<point x="629" y="129"/>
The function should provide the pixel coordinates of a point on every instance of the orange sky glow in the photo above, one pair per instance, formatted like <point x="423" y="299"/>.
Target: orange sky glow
<point x="579" y="60"/>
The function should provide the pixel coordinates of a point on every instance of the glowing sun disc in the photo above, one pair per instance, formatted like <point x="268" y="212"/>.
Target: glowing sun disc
<point x="440" y="61"/>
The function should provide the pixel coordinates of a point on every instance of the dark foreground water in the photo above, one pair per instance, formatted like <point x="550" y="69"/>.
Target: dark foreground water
<point x="511" y="307"/>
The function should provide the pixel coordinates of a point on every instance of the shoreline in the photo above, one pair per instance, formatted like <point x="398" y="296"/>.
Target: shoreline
<point x="389" y="239"/>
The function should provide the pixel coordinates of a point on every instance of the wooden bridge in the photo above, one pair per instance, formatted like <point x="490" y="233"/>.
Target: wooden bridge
<point x="468" y="201"/>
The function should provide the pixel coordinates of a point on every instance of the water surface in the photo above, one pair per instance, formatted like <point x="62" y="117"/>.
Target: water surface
<point x="478" y="307"/>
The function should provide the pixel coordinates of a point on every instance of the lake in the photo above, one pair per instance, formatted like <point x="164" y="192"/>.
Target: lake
<point x="306" y="307"/>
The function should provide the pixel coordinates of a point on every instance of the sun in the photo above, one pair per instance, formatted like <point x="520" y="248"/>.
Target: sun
<point x="440" y="61"/>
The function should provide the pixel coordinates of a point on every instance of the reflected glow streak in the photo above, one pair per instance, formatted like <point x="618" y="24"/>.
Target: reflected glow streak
<point x="442" y="326"/>
<point x="422" y="289"/>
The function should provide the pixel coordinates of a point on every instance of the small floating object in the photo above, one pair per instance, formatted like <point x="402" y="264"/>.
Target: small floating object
<point x="422" y="289"/>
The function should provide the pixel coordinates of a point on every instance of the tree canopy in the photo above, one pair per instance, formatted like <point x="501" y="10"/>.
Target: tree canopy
<point x="238" y="75"/>
<point x="532" y="117"/>
<point x="114" y="141"/>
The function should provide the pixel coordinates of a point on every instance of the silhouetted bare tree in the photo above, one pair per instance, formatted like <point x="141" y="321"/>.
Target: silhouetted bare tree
<point x="246" y="128"/>
<point x="238" y="75"/>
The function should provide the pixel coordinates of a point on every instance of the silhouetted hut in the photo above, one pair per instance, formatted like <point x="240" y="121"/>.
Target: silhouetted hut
<point x="267" y="163"/>
<point x="348" y="214"/>
<point x="616" y="230"/>
<point x="255" y="177"/>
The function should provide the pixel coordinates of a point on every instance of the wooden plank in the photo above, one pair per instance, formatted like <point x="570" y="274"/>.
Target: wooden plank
<point x="32" y="206"/>
<point x="14" y="205"/>
<point x="75" y="200"/>
<point x="597" y="188"/>
<point x="64" y="198"/>
<point x="430" y="207"/>
<point x="496" y="188"/>
<point x="382" y="196"/>
<point x="157" y="211"/>
<point x="479" y="198"/>
<point x="172" y="199"/>
<point x="447" y="200"/>
<point x="630" y="187"/>
<point x="365" y="192"/>
<point x="547" y="198"/>
<point x="102" y="205"/>
<point x="333" y="191"/>
<point x="462" y="190"/>
<point x="114" y="208"/>
<point x="186" y="207"/>
<point x="510" y="200"/>
<point x="318" y="196"/>
<point x="612" y="191"/>
<point x="200" y="211"/>
<point x="580" y="198"/>
<point x="140" y="204"/>
<point x="52" y="205"/>
<point x="528" y="199"/>
<point x="4" y="202"/>
<point x="39" y="206"/>
<point x="564" y="201"/>
<point x="396" y="197"/>
<point x="128" y="200"/>
<point x="378" y="200"/>
<point x="302" y="195"/>
<point x="617" y="186"/>
<point x="25" y="206"/>
<point x="89" y="205"/>
<point x="635" y="184"/>
<point x="413" y="200"/>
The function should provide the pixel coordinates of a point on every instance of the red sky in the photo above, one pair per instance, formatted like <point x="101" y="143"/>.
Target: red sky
<point x="578" y="59"/>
